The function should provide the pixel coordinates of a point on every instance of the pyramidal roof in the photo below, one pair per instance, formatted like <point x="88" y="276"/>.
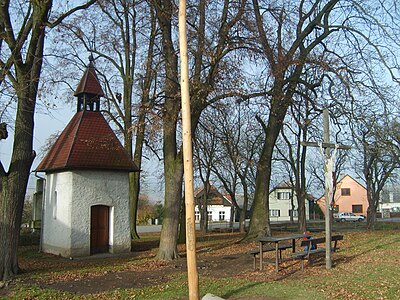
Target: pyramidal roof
<point x="89" y="83"/>
<point x="87" y="142"/>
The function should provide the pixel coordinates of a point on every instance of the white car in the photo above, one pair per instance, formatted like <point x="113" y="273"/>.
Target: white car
<point x="348" y="216"/>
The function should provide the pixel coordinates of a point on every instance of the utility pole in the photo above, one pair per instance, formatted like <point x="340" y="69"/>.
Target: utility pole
<point x="193" y="278"/>
<point x="329" y="157"/>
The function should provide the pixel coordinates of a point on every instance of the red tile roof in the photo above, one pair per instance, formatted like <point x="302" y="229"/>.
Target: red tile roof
<point x="87" y="142"/>
<point x="89" y="83"/>
<point x="214" y="197"/>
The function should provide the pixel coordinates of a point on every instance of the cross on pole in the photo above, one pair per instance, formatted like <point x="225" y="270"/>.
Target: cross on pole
<point x="329" y="157"/>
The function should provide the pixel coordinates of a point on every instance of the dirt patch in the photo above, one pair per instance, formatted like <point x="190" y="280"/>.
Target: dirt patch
<point x="110" y="281"/>
<point x="213" y="266"/>
<point x="215" y="259"/>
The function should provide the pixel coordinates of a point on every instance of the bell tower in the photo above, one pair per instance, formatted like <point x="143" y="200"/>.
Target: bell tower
<point x="89" y="90"/>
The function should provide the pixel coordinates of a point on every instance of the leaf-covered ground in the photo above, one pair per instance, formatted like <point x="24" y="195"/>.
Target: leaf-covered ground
<point x="365" y="267"/>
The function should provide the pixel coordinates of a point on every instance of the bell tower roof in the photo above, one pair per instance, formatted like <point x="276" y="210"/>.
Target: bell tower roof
<point x="89" y="89"/>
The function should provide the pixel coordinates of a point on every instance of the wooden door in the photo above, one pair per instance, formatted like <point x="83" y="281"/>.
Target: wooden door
<point x="99" y="229"/>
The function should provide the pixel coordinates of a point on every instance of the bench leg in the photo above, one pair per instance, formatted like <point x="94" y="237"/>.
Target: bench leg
<point x="276" y="257"/>
<point x="302" y="264"/>
<point x="254" y="262"/>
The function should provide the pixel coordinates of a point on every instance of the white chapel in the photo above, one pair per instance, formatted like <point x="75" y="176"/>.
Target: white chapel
<point x="86" y="202"/>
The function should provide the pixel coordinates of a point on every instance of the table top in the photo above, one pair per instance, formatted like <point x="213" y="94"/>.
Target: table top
<point x="278" y="238"/>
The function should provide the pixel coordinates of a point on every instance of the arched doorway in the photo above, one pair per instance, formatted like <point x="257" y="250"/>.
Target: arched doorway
<point x="99" y="229"/>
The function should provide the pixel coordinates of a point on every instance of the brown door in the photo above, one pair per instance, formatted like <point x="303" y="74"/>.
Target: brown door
<point x="99" y="229"/>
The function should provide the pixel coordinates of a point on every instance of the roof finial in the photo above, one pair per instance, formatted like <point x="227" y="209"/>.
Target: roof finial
<point x="91" y="50"/>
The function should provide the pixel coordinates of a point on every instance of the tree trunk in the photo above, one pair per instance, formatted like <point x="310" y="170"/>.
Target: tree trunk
<point x="13" y="184"/>
<point x="232" y="216"/>
<point x="301" y="181"/>
<point x="173" y="174"/>
<point x="242" y="217"/>
<point x="301" y="198"/>
<point x="203" y="210"/>
<point x="260" y="222"/>
<point x="134" y="190"/>
<point x="25" y="83"/>
<point x="182" y="224"/>
<point x="243" y="211"/>
<point x="134" y="178"/>
<point x="371" y="211"/>
<point x="11" y="206"/>
<point x="173" y="194"/>
<point x="291" y="217"/>
<point x="173" y="165"/>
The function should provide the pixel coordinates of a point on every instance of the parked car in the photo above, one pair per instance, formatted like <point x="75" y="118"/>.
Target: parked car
<point x="348" y="216"/>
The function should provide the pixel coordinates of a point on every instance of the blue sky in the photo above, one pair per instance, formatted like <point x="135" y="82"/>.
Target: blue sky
<point x="45" y="125"/>
<point x="55" y="121"/>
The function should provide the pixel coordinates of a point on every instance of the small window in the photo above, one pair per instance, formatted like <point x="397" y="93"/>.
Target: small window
<point x="55" y="205"/>
<point x="209" y="214"/>
<point x="283" y="195"/>
<point x="357" y="209"/>
<point x="221" y="215"/>
<point x="197" y="215"/>
<point x="294" y="212"/>
<point x="345" y="192"/>
<point x="275" y="213"/>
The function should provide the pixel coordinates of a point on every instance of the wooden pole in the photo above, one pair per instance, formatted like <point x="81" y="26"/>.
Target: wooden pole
<point x="328" y="193"/>
<point x="193" y="278"/>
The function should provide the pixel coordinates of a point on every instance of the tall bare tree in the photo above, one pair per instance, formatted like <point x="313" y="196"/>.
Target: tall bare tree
<point x="21" y="59"/>
<point x="205" y="144"/>
<point x="211" y="42"/>
<point x="378" y="144"/>
<point x="291" y="35"/>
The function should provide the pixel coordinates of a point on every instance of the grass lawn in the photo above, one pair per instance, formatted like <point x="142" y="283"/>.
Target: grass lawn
<point x="365" y="267"/>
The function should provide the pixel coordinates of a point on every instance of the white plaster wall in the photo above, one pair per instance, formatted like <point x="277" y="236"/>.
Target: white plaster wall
<point x="100" y="188"/>
<point x="56" y="234"/>
<point x="66" y="224"/>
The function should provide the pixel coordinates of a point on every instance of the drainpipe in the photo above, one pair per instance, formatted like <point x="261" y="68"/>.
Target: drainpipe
<point x="42" y="212"/>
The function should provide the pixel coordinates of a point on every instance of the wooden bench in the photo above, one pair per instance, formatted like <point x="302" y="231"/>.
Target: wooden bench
<point x="313" y="243"/>
<point x="255" y="253"/>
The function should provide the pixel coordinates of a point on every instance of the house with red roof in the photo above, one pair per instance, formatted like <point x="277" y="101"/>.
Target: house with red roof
<point x="86" y="202"/>
<point x="350" y="196"/>
<point x="219" y="206"/>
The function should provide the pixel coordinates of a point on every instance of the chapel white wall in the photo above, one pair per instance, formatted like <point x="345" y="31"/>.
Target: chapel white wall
<point x="57" y="216"/>
<point x="85" y="189"/>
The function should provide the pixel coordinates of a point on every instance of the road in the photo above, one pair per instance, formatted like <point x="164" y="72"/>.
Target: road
<point x="157" y="228"/>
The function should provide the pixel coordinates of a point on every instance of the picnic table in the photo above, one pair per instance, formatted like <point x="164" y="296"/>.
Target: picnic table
<point x="276" y="240"/>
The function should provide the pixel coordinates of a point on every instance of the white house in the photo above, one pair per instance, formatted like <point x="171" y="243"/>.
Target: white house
<point x="389" y="200"/>
<point x="283" y="203"/>
<point x="86" y="203"/>
<point x="219" y="206"/>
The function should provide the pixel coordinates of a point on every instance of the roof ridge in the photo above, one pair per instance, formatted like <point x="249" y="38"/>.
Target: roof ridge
<point x="75" y="137"/>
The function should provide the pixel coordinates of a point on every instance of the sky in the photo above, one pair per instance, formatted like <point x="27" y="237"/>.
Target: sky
<point x="45" y="125"/>
<point x="55" y="121"/>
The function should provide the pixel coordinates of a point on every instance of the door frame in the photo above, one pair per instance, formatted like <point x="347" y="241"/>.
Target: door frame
<point x="99" y="229"/>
